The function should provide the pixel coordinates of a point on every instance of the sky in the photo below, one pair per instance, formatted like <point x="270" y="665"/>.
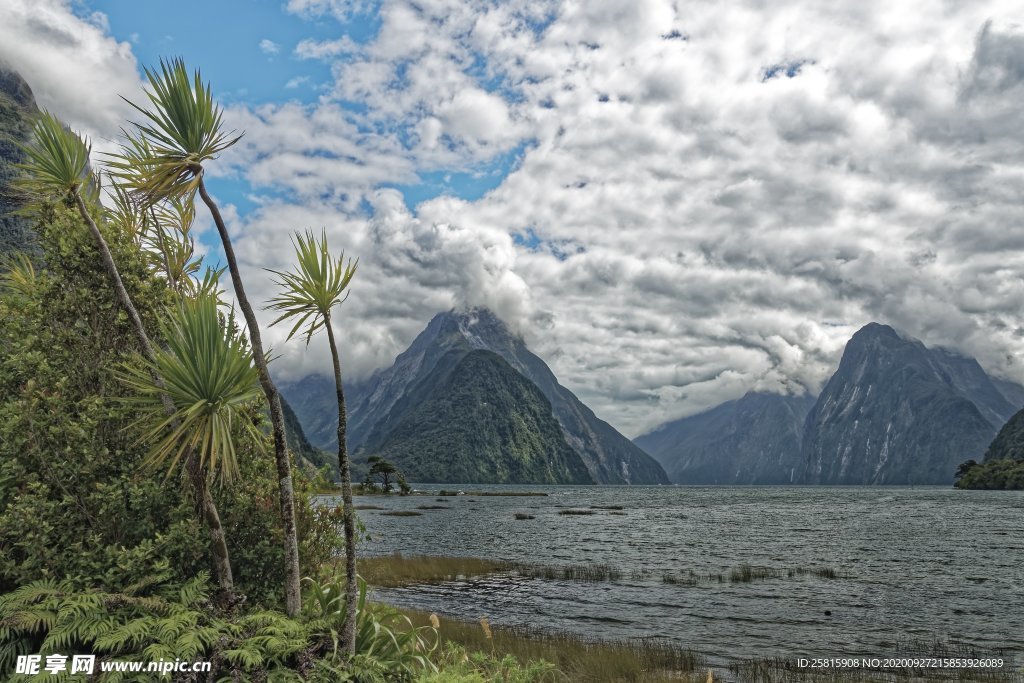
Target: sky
<point x="674" y="203"/>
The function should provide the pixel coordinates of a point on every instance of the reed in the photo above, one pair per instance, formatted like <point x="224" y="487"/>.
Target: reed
<point x="575" y="512"/>
<point x="396" y="570"/>
<point x="584" y="573"/>
<point x="401" y="513"/>
<point x="577" y="658"/>
<point x="523" y="515"/>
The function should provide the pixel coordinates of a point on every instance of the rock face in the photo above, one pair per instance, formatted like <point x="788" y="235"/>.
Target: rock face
<point x="17" y="111"/>
<point x="474" y="419"/>
<point x="306" y="454"/>
<point x="753" y="440"/>
<point x="896" y="412"/>
<point x="315" y="406"/>
<point x="376" y="405"/>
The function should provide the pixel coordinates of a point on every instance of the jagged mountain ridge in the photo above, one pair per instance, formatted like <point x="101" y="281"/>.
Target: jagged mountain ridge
<point x="942" y="405"/>
<point x="752" y="440"/>
<point x="475" y="420"/>
<point x="374" y="403"/>
<point x="896" y="412"/>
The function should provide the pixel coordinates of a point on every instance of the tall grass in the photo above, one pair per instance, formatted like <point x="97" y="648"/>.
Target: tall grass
<point x="577" y="658"/>
<point x="396" y="570"/>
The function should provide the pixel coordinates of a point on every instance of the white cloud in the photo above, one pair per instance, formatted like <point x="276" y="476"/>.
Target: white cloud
<point x="715" y="197"/>
<point x="321" y="49"/>
<point x="72" y="64"/>
<point x="269" y="47"/>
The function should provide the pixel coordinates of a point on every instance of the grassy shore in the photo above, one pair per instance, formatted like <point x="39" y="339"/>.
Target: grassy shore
<point x="575" y="658"/>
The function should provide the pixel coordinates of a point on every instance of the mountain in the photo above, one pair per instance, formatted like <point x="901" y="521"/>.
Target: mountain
<point x="896" y="412"/>
<point x="1011" y="391"/>
<point x="17" y="111"/>
<point x="752" y="440"/>
<point x="473" y="419"/>
<point x="376" y="405"/>
<point x="316" y="408"/>
<point x="306" y="454"/>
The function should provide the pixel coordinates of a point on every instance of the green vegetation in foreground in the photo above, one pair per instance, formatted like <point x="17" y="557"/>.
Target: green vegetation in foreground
<point x="573" y="658"/>
<point x="1007" y="474"/>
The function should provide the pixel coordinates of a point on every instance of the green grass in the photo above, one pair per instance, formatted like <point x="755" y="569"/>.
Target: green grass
<point x="576" y="659"/>
<point x="396" y="570"/>
<point x="572" y="572"/>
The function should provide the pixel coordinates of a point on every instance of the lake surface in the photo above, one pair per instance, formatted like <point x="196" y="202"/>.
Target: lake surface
<point x="917" y="563"/>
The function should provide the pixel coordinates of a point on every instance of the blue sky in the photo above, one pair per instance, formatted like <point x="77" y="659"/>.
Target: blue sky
<point x="246" y="50"/>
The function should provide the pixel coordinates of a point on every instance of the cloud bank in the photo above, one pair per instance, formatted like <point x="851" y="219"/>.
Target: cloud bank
<point x="696" y="199"/>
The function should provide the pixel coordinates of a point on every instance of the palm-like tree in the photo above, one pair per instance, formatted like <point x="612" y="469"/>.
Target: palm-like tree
<point x="57" y="169"/>
<point x="207" y="371"/>
<point x="317" y="286"/>
<point x="181" y="131"/>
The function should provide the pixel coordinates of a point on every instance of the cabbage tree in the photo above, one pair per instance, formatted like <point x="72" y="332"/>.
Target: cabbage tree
<point x="308" y="294"/>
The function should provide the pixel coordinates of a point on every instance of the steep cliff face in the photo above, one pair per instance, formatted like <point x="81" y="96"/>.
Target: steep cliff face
<point x="316" y="408"/>
<point x="752" y="440"/>
<point x="374" y="405"/>
<point x="896" y="412"/>
<point x="474" y="419"/>
<point x="17" y="112"/>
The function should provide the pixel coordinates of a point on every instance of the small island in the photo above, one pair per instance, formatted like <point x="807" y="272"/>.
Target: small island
<point x="1002" y="474"/>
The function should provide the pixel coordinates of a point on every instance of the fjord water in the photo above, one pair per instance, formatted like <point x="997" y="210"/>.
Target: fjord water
<point x="914" y="563"/>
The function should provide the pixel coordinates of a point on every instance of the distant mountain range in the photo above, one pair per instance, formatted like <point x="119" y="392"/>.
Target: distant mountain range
<point x="895" y="412"/>
<point x="467" y="402"/>
<point x="752" y="440"/>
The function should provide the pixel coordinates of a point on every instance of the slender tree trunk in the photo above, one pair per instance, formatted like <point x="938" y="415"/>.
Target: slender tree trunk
<point x="284" y="469"/>
<point x="348" y="632"/>
<point x="204" y="500"/>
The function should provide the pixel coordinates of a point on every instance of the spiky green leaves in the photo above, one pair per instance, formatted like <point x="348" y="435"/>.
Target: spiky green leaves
<point x="18" y="275"/>
<point x="57" y="161"/>
<point x="317" y="285"/>
<point x="179" y="132"/>
<point x="208" y="374"/>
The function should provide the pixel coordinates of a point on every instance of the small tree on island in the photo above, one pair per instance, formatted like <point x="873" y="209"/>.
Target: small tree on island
<point x="379" y="467"/>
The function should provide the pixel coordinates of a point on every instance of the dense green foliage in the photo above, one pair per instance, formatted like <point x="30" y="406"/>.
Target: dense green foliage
<point x="70" y="462"/>
<point x="1009" y="442"/>
<point x="156" y="619"/>
<point x="479" y="421"/>
<point x="992" y="474"/>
